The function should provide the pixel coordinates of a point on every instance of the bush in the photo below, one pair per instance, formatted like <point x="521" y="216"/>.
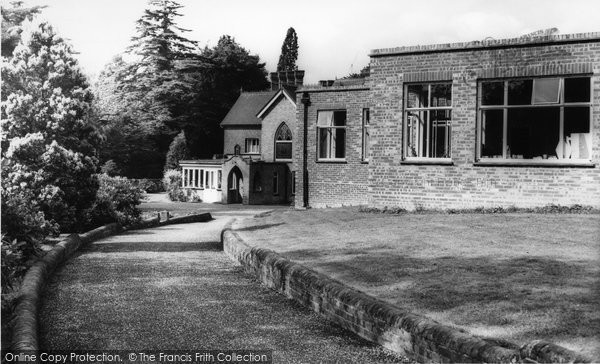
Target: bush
<point x="117" y="200"/>
<point x="178" y="150"/>
<point x="150" y="185"/>
<point x="172" y="183"/>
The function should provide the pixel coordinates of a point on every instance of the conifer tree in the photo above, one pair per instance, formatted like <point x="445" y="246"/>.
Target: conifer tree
<point x="289" y="52"/>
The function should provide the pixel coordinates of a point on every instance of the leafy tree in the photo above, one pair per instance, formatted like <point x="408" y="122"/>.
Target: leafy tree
<point x="48" y="135"/>
<point x="12" y="18"/>
<point x="224" y="70"/>
<point x="143" y="101"/>
<point x="289" y="52"/>
<point x="363" y="73"/>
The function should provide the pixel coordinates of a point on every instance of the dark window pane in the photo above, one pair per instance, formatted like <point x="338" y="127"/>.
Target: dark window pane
<point x="441" y="95"/>
<point x="546" y="90"/>
<point x="492" y="93"/>
<point x="340" y="143"/>
<point x="324" y="143"/>
<point x="283" y="150"/>
<point x="577" y="89"/>
<point x="578" y="139"/>
<point x="533" y="133"/>
<point x="519" y="92"/>
<point x="417" y="96"/>
<point x="339" y="118"/>
<point x="492" y="133"/>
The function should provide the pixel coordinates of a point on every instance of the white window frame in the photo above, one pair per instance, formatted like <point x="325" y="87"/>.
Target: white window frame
<point x="252" y="146"/>
<point x="331" y="129"/>
<point x="423" y="148"/>
<point x="505" y="107"/>
<point x="366" y="136"/>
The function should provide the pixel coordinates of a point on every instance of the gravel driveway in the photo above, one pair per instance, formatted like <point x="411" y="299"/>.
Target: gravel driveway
<point x="172" y="288"/>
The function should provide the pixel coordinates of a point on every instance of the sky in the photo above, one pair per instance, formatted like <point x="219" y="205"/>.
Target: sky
<point x="334" y="36"/>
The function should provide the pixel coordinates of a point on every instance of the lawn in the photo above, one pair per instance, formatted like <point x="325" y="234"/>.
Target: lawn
<point x="517" y="276"/>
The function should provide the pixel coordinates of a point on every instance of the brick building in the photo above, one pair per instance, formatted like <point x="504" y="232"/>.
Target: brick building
<point x="259" y="132"/>
<point x="513" y="122"/>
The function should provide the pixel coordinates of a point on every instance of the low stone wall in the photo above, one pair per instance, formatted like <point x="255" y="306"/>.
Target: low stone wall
<point x="25" y="331"/>
<point x="415" y="336"/>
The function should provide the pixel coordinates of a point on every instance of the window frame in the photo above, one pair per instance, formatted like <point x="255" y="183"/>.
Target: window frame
<point x="425" y="159"/>
<point x="330" y="127"/>
<point x="366" y="134"/>
<point x="505" y="107"/>
<point x="291" y="141"/>
<point x="249" y="142"/>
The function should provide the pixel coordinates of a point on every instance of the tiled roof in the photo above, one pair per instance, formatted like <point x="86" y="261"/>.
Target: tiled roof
<point x="244" y="111"/>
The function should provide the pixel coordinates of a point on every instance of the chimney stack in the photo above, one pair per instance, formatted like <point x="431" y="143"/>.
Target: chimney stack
<point x="288" y="79"/>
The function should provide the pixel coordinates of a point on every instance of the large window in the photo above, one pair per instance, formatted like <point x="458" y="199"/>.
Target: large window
<point x="252" y="146"/>
<point x="428" y="120"/>
<point x="535" y="119"/>
<point x="331" y="129"/>
<point x="283" y="142"/>
<point x="366" y="120"/>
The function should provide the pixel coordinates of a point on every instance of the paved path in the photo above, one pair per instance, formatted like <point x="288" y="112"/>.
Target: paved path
<point x="172" y="288"/>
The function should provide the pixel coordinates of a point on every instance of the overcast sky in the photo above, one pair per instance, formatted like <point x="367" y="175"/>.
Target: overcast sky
<point x="335" y="36"/>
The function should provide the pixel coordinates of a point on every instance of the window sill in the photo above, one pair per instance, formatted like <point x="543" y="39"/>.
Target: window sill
<point x="556" y="163"/>
<point x="428" y="161"/>
<point x="341" y="161"/>
<point x="284" y="160"/>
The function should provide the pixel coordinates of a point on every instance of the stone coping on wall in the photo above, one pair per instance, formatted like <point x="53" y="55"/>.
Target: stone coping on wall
<point x="409" y="334"/>
<point x="25" y="330"/>
<point x="524" y="41"/>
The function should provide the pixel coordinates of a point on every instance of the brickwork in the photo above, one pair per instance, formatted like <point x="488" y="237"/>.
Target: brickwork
<point x="236" y="135"/>
<point x="464" y="183"/>
<point x="333" y="183"/>
<point x="283" y="111"/>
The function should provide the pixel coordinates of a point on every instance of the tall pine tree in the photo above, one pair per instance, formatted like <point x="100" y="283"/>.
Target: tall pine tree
<point x="289" y="52"/>
<point x="152" y="88"/>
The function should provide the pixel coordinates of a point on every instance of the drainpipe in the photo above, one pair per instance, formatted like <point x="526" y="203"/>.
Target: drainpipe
<point x="306" y="102"/>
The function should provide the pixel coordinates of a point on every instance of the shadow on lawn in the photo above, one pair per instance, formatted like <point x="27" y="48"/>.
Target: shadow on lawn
<point x="259" y="227"/>
<point x="531" y="297"/>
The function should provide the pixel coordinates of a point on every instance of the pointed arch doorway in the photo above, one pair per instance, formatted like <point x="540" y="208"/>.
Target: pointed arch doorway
<point x="235" y="186"/>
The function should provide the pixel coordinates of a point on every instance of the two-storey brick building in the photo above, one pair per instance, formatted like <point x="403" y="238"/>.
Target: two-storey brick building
<point x="257" y="166"/>
<point x="513" y="122"/>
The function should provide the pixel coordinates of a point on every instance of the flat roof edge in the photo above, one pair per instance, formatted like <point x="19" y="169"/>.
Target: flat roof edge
<point x="488" y="43"/>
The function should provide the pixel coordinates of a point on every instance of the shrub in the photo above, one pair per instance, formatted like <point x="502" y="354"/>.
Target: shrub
<point x="172" y="183"/>
<point x="178" y="150"/>
<point x="117" y="200"/>
<point x="150" y="185"/>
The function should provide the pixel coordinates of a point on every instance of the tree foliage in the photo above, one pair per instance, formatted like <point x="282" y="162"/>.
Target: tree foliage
<point x="363" y="73"/>
<point x="226" y="69"/>
<point x="48" y="136"/>
<point x="178" y="150"/>
<point x="289" y="52"/>
<point x="12" y="18"/>
<point x="166" y="86"/>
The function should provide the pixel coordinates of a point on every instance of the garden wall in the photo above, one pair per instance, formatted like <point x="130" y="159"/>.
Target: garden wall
<point x="415" y="336"/>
